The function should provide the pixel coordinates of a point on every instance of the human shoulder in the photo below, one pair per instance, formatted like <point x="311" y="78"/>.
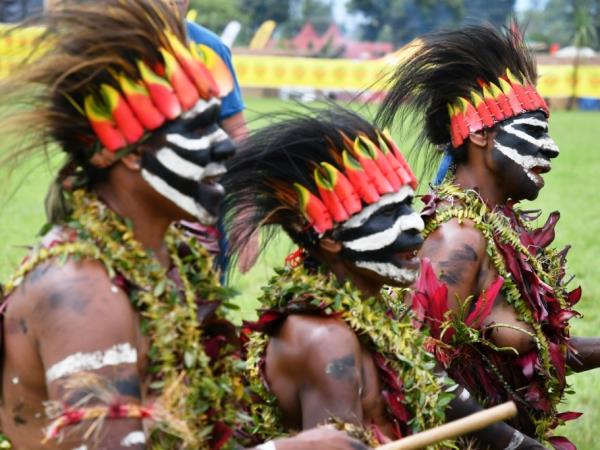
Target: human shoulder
<point x="75" y="291"/>
<point x="313" y="342"/>
<point x="457" y="234"/>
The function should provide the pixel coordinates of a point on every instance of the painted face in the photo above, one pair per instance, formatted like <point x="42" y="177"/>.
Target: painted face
<point x="522" y="152"/>
<point x="189" y="157"/>
<point x="384" y="237"/>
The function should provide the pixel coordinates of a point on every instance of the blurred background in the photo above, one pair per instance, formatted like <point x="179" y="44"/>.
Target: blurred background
<point x="288" y="52"/>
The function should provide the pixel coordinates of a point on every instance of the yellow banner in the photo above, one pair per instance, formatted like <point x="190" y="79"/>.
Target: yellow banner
<point x="352" y="75"/>
<point x="314" y="73"/>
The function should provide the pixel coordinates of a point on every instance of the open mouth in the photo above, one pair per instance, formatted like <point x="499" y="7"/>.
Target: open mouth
<point x="538" y="170"/>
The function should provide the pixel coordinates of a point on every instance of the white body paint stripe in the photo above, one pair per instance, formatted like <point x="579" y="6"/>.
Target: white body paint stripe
<point x="200" y="106"/>
<point x="133" y="438"/>
<point x="201" y="143"/>
<point x="515" y="441"/>
<point x="81" y="447"/>
<point x="384" y="238"/>
<point x="388" y="199"/>
<point x="389" y="270"/>
<point x="183" y="201"/>
<point x="82" y="362"/>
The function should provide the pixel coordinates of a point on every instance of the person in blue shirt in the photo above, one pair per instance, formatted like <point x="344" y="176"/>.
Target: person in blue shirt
<point x="232" y="106"/>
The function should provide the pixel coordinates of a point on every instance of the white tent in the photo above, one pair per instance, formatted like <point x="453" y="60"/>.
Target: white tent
<point x="571" y="52"/>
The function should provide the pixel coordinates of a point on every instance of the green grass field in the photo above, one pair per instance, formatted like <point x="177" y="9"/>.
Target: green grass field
<point x="572" y="187"/>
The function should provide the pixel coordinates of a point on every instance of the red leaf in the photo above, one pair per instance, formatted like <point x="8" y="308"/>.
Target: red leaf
<point x="484" y="304"/>
<point x="569" y="415"/>
<point x="527" y="363"/>
<point x="574" y="296"/>
<point x="561" y="443"/>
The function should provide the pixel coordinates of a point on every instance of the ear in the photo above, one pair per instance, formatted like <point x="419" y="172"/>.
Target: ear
<point x="330" y="246"/>
<point x="133" y="161"/>
<point x="480" y="138"/>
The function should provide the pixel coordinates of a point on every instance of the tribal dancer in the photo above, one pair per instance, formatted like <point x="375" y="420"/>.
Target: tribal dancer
<point x="329" y="345"/>
<point x="116" y="317"/>
<point x="474" y="90"/>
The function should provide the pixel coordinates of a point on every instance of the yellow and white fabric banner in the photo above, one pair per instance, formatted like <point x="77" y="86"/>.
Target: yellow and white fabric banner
<point x="314" y="73"/>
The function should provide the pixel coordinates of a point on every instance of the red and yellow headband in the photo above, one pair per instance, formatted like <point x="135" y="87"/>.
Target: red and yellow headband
<point x="120" y="117"/>
<point x="370" y="171"/>
<point x="496" y="102"/>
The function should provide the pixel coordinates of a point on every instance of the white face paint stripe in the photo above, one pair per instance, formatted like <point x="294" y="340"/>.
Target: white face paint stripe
<point x="384" y="238"/>
<point x="179" y="165"/>
<point x="81" y="447"/>
<point x="530" y="121"/>
<point x="527" y="162"/>
<point x="201" y="143"/>
<point x="133" y="438"/>
<point x="545" y="142"/>
<point x="200" y="106"/>
<point x="83" y="362"/>
<point x="185" y="202"/>
<point x="388" y="199"/>
<point x="390" y="271"/>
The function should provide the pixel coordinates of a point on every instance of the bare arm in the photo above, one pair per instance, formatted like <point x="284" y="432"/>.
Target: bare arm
<point x="317" y="361"/>
<point x="235" y="126"/>
<point x="587" y="356"/>
<point x="456" y="252"/>
<point x="87" y="335"/>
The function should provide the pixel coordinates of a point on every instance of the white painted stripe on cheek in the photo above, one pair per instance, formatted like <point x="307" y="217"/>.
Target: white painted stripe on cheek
<point x="384" y="238"/>
<point x="388" y="199"/>
<point x="185" y="202"/>
<point x="133" y="438"/>
<point x="527" y="162"/>
<point x="179" y="165"/>
<point x="201" y="143"/>
<point x="390" y="271"/>
<point x="82" y="362"/>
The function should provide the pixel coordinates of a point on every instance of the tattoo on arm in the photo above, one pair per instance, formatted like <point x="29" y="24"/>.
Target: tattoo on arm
<point x="454" y="267"/>
<point x="342" y="368"/>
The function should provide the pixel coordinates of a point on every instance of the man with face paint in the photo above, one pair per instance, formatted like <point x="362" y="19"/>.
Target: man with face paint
<point x="114" y="333"/>
<point x="504" y="305"/>
<point x="328" y="344"/>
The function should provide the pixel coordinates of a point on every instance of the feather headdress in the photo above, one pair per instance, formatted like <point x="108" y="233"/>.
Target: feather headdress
<point x="308" y="172"/>
<point x="114" y="72"/>
<point x="458" y="82"/>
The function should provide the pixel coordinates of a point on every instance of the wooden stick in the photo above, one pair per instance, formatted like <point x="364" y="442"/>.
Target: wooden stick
<point x="454" y="429"/>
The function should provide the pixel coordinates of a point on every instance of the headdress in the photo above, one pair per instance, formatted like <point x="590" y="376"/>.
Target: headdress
<point x="460" y="82"/>
<point x="114" y="73"/>
<point x="310" y="172"/>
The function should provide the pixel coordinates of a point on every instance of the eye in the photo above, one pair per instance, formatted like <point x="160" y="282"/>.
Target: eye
<point x="389" y="210"/>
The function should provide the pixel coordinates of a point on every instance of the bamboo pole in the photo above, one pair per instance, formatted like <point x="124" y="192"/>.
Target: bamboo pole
<point x="454" y="429"/>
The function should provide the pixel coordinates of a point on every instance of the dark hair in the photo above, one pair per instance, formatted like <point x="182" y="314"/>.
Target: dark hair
<point x="439" y="67"/>
<point x="259" y="182"/>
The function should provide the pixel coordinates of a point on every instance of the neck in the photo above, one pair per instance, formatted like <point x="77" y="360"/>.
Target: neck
<point x="149" y="226"/>
<point x="477" y="178"/>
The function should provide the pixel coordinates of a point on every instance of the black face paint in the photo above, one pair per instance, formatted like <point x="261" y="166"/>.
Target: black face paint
<point x="386" y="242"/>
<point x="189" y="156"/>
<point x="522" y="151"/>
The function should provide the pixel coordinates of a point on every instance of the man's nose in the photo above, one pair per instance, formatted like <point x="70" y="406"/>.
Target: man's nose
<point x="549" y="148"/>
<point x="223" y="150"/>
